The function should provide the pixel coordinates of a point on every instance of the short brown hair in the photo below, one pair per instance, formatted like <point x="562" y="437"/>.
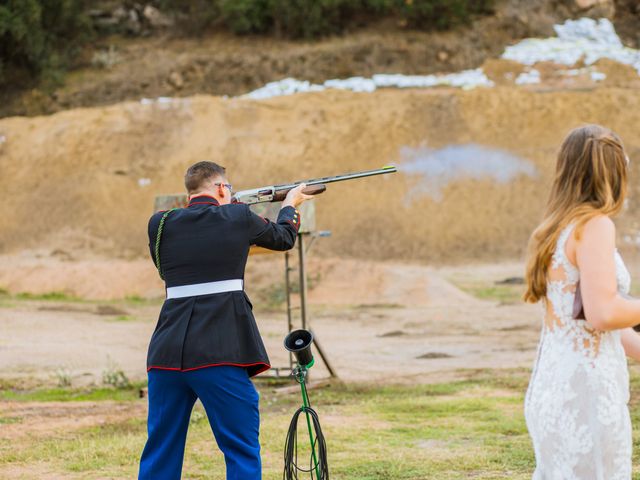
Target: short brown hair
<point x="199" y="172"/>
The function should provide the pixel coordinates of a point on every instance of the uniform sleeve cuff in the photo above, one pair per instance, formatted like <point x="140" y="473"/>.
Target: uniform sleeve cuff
<point x="291" y="215"/>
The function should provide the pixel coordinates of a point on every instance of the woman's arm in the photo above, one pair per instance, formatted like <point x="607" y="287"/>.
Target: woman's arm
<point x="604" y="307"/>
<point x="631" y="343"/>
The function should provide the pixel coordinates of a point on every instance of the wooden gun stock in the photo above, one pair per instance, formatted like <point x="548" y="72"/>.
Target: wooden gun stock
<point x="310" y="190"/>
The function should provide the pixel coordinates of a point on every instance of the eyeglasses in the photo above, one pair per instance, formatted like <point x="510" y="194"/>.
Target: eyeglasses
<point x="228" y="185"/>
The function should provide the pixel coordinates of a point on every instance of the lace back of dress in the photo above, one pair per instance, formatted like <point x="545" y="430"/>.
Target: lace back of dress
<point x="562" y="280"/>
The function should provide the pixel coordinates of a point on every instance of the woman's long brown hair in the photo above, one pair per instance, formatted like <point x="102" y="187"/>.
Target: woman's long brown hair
<point x="590" y="180"/>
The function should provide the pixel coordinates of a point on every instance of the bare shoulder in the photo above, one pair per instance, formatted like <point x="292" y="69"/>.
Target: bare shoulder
<point x="598" y="233"/>
<point x="600" y="225"/>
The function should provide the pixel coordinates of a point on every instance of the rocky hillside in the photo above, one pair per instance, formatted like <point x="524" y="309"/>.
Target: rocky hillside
<point x="153" y="57"/>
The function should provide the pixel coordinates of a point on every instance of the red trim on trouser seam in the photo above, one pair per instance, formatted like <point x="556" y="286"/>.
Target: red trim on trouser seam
<point x="264" y="368"/>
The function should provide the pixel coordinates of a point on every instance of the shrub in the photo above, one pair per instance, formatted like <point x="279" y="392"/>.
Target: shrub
<point x="113" y="375"/>
<point x="38" y="36"/>
<point x="315" y="18"/>
<point x="247" y="16"/>
<point x="193" y="15"/>
<point x="442" y="14"/>
<point x="304" y="19"/>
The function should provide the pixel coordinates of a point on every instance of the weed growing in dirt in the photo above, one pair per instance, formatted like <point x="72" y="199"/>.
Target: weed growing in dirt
<point x="9" y="420"/>
<point x="113" y="375"/>
<point x="136" y="300"/>
<point x="502" y="294"/>
<point x="273" y="297"/>
<point x="106" y="59"/>
<point x="4" y="297"/>
<point x="89" y="394"/>
<point x="53" y="296"/>
<point x="486" y="290"/>
<point x="379" y="305"/>
<point x="63" y="377"/>
<point x="197" y="415"/>
<point x="6" y="304"/>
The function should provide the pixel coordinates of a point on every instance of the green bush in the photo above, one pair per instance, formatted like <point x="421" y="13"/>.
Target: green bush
<point x="315" y="18"/>
<point x="22" y="40"/>
<point x="442" y="14"/>
<point x="195" y="16"/>
<point x="40" y="36"/>
<point x="247" y="16"/>
<point x="304" y="19"/>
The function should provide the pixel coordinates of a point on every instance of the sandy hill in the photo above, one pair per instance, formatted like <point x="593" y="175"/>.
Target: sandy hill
<point x="86" y="179"/>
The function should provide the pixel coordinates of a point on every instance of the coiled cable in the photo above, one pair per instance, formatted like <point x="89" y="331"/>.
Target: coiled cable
<point x="291" y="467"/>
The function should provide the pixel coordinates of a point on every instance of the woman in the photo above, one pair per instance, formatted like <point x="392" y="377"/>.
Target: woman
<point x="576" y="403"/>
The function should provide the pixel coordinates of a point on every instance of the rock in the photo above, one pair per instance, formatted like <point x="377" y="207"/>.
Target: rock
<point x="432" y="355"/>
<point x="597" y="8"/>
<point x="62" y="254"/>
<point x="155" y="17"/>
<point x="394" y="333"/>
<point x="175" y="80"/>
<point x="511" y="281"/>
<point x="586" y="4"/>
<point x="120" y="14"/>
<point x="132" y="22"/>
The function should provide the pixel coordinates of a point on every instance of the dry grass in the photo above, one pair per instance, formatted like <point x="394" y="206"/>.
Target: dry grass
<point x="465" y="429"/>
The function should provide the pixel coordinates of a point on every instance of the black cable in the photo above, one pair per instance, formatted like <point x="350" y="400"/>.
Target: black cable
<point x="291" y="467"/>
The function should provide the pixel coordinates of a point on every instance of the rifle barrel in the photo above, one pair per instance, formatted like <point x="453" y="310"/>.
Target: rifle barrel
<point x="341" y="178"/>
<point x="277" y="192"/>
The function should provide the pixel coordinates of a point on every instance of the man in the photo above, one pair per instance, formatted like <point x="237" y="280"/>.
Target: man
<point x="206" y="344"/>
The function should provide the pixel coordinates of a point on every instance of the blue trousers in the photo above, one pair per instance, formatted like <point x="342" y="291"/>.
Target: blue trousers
<point x="231" y="403"/>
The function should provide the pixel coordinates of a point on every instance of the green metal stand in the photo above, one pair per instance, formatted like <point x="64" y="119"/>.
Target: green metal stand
<point x="300" y="374"/>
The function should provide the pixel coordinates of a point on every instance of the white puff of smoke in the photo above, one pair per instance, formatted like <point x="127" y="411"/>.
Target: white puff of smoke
<point x="439" y="167"/>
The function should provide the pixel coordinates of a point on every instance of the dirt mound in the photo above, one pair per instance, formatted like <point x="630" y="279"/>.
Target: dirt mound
<point x="618" y="75"/>
<point x="85" y="180"/>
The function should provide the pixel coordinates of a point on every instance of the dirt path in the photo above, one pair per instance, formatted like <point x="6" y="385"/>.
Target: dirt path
<point x="377" y="322"/>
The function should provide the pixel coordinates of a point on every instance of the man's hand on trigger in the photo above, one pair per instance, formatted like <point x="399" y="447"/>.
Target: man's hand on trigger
<point x="295" y="196"/>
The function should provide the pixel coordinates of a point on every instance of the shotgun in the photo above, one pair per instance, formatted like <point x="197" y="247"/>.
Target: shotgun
<point x="315" y="186"/>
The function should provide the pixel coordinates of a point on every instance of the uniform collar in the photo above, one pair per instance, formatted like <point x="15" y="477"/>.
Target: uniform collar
<point x="204" y="200"/>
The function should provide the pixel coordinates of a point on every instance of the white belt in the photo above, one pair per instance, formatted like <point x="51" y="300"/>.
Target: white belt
<point x="205" y="288"/>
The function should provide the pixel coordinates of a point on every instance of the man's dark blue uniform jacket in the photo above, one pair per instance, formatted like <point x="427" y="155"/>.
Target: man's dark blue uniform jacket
<point x="208" y="242"/>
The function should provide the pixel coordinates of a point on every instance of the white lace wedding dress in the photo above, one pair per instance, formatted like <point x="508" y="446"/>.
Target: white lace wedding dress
<point x="576" y="404"/>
